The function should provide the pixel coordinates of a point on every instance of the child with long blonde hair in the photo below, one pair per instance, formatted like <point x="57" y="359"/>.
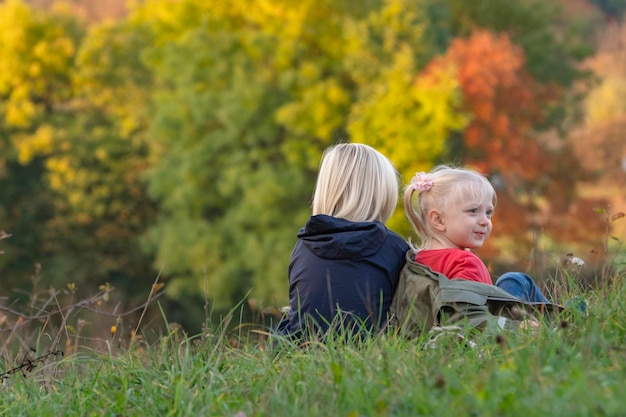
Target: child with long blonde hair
<point x="346" y="264"/>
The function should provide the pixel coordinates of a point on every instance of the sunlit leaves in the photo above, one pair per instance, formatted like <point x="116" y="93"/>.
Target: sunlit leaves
<point x="406" y="116"/>
<point x="31" y="144"/>
<point x="606" y="102"/>
<point x="36" y="53"/>
<point x="112" y="77"/>
<point x="319" y="111"/>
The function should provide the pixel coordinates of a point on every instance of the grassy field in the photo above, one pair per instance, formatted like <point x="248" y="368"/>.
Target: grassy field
<point x="575" y="369"/>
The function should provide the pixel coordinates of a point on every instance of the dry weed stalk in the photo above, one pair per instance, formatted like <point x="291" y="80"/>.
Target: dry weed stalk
<point x="41" y="325"/>
<point x="48" y="321"/>
<point x="608" y="261"/>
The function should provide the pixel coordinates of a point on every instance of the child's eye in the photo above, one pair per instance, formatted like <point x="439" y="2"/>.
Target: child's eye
<point x="473" y="210"/>
<point x="489" y="213"/>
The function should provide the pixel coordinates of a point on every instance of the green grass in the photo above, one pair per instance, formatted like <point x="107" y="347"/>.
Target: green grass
<point x="575" y="370"/>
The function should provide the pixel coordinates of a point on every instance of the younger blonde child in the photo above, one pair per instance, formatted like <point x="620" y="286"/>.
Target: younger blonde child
<point x="451" y="210"/>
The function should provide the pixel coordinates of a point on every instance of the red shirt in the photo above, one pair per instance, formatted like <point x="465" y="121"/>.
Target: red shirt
<point x="455" y="263"/>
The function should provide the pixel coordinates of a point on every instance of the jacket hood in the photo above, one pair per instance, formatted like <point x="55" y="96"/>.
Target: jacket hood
<point x="334" y="238"/>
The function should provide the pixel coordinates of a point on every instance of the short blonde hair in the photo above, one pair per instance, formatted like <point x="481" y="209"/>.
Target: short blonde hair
<point x="357" y="183"/>
<point x="449" y="185"/>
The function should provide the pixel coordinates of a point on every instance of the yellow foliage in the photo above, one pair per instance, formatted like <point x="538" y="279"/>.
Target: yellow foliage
<point x="13" y="37"/>
<point x="408" y="118"/>
<point x="56" y="182"/>
<point x="319" y="112"/>
<point x="399" y="20"/>
<point x="19" y="113"/>
<point x="74" y="197"/>
<point x="31" y="145"/>
<point x="101" y="154"/>
<point x="60" y="171"/>
<point x="35" y="51"/>
<point x="309" y="72"/>
<point x="606" y="102"/>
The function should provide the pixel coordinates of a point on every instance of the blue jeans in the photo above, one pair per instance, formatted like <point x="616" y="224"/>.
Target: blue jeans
<point x="522" y="286"/>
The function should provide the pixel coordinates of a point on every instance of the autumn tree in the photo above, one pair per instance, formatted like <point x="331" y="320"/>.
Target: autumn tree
<point x="239" y="129"/>
<point x="72" y="114"/>
<point x="99" y="158"/>
<point x="535" y="176"/>
<point x="230" y="183"/>
<point x="36" y="56"/>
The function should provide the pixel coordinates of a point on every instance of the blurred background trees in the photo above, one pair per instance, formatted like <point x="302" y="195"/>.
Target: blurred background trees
<point x="182" y="138"/>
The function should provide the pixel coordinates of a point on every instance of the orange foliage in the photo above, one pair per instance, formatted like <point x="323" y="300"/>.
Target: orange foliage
<point x="505" y="101"/>
<point x="506" y="104"/>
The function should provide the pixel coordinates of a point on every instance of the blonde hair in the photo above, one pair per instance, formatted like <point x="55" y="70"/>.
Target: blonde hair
<point x="449" y="185"/>
<point x="356" y="183"/>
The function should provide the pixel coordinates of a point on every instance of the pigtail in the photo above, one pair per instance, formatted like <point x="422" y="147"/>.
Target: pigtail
<point x="412" y="214"/>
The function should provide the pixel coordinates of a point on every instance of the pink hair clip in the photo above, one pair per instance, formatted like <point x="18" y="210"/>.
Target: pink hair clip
<point x="422" y="182"/>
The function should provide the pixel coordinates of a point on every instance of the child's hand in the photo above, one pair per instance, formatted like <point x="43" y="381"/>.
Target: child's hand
<point x="528" y="324"/>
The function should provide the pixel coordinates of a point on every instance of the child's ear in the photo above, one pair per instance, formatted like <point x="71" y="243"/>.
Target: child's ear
<point x="436" y="221"/>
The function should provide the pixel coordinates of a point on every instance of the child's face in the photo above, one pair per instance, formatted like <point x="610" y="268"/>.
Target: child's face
<point x="467" y="222"/>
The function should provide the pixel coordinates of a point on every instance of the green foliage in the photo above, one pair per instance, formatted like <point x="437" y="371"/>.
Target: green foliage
<point x="24" y="205"/>
<point x="551" y="44"/>
<point x="96" y="167"/>
<point x="258" y="107"/>
<point x="613" y="8"/>
<point x="223" y="181"/>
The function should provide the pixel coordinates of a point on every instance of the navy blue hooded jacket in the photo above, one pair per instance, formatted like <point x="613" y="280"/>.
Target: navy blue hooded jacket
<point x="339" y="265"/>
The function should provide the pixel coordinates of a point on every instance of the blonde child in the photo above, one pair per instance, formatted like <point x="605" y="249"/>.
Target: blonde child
<point x="345" y="267"/>
<point x="451" y="211"/>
